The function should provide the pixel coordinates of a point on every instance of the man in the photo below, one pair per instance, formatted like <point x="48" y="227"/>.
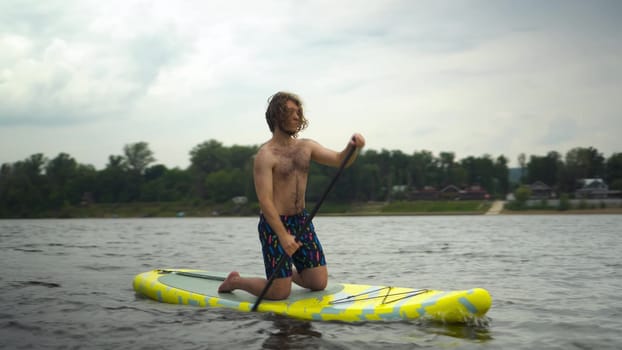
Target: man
<point x="280" y="172"/>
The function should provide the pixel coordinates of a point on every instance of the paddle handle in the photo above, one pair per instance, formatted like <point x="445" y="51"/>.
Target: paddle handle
<point x="307" y="222"/>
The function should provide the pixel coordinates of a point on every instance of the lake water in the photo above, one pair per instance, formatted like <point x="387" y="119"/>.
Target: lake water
<point x="555" y="281"/>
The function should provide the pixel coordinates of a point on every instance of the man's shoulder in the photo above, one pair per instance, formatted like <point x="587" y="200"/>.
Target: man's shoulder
<point x="263" y="150"/>
<point x="265" y="153"/>
<point x="308" y="142"/>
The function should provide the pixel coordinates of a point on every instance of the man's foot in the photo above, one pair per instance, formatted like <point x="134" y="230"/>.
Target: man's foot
<point x="227" y="284"/>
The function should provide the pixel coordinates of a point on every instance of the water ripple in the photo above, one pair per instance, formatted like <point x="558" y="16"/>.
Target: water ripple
<point x="36" y="283"/>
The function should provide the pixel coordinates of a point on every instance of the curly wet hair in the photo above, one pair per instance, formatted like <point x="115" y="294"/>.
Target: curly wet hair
<point x="277" y="111"/>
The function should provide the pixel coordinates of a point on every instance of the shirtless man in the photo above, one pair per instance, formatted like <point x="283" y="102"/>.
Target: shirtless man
<point x="280" y="172"/>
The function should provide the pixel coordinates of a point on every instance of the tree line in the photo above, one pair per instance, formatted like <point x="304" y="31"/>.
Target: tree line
<point x="218" y="173"/>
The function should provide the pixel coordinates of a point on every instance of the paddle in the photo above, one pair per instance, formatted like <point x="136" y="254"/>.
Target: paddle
<point x="306" y="223"/>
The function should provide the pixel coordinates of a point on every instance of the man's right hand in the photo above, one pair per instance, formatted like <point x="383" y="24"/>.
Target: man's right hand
<point x="289" y="244"/>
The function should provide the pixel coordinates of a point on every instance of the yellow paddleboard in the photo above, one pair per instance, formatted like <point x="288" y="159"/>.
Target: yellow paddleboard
<point x="338" y="302"/>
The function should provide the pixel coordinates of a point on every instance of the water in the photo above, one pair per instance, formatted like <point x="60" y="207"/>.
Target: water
<point x="555" y="282"/>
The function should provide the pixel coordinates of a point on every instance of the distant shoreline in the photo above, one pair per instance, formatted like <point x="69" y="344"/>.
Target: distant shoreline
<point x="598" y="211"/>
<point x="204" y="210"/>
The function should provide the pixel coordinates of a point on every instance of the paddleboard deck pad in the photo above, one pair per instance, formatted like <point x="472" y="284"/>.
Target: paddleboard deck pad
<point x="338" y="302"/>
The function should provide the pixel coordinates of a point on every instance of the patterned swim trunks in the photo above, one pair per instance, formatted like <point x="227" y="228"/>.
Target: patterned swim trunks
<point x="309" y="255"/>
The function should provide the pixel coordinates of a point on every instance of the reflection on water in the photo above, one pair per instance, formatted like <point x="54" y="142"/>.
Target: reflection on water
<point x="479" y="332"/>
<point x="291" y="334"/>
<point x="287" y="333"/>
<point x="555" y="282"/>
<point x="295" y="334"/>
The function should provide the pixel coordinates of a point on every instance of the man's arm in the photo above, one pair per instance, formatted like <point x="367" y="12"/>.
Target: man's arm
<point x="332" y="158"/>
<point x="262" y="175"/>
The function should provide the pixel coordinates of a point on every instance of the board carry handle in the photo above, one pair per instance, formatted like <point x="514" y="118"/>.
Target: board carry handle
<point x="306" y="223"/>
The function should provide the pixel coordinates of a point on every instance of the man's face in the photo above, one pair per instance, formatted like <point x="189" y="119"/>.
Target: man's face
<point x="291" y="122"/>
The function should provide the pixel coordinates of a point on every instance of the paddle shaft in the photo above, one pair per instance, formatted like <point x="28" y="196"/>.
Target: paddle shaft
<point x="306" y="223"/>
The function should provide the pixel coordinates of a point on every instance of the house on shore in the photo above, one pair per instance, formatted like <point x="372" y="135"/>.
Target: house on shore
<point x="427" y="193"/>
<point x="450" y="192"/>
<point x="475" y="192"/>
<point x="540" y="190"/>
<point x="593" y="188"/>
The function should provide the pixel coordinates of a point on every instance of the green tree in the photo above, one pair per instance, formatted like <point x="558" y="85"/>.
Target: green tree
<point x="480" y="171"/>
<point x="155" y="172"/>
<point x="501" y="176"/>
<point x="154" y="187"/>
<point x="522" y="161"/>
<point x="423" y="165"/>
<point x="446" y="168"/>
<point x="386" y="173"/>
<point x="138" y="156"/>
<point x="225" y="184"/>
<point x="521" y="194"/>
<point x="68" y="180"/>
<point x="206" y="158"/>
<point x="242" y="158"/>
<point x="547" y="169"/>
<point x="23" y="187"/>
<point x="179" y="183"/>
<point x="382" y="168"/>
<point x="316" y="183"/>
<point x="369" y="182"/>
<point x="402" y="171"/>
<point x="582" y="163"/>
<point x="162" y="184"/>
<point x="564" y="202"/>
<point x="614" y="171"/>
<point x="113" y="181"/>
<point x="209" y="156"/>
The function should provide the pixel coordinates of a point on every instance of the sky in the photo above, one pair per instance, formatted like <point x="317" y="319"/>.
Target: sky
<point x="473" y="77"/>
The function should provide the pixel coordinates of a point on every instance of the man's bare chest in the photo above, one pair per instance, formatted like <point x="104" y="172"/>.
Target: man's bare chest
<point x="291" y="163"/>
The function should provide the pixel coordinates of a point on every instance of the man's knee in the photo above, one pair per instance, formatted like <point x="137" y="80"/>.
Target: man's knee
<point x="279" y="294"/>
<point x="315" y="279"/>
<point x="280" y="290"/>
<point x="318" y="287"/>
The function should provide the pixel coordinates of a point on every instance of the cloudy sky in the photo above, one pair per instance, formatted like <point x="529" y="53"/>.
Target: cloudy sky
<point x="472" y="77"/>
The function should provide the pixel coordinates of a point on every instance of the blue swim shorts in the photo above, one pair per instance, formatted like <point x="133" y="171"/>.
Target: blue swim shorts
<point x="309" y="255"/>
